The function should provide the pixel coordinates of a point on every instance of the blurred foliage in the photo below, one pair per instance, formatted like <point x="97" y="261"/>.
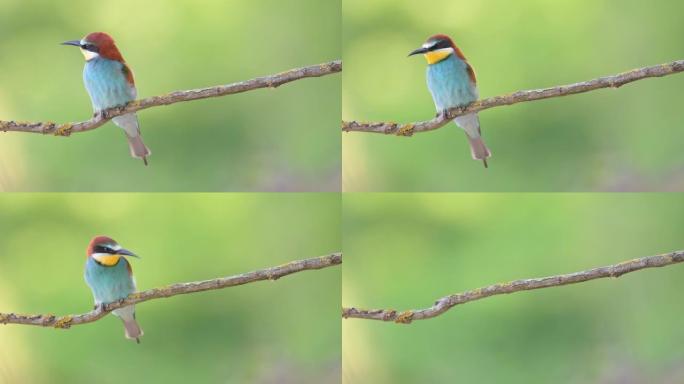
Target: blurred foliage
<point x="284" y="139"/>
<point x="286" y="331"/>
<point x="405" y="251"/>
<point x="627" y="139"/>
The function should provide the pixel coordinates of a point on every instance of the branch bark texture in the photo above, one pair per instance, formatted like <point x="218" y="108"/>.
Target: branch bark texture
<point x="273" y="273"/>
<point x="272" y="81"/>
<point x="446" y="303"/>
<point x="614" y="81"/>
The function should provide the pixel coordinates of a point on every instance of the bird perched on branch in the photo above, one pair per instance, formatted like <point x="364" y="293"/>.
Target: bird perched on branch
<point x="452" y="83"/>
<point x="110" y="277"/>
<point x="110" y="83"/>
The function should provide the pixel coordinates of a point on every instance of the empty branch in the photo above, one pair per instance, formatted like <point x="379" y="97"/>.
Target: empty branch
<point x="445" y="303"/>
<point x="273" y="273"/>
<point x="615" y="81"/>
<point x="98" y="120"/>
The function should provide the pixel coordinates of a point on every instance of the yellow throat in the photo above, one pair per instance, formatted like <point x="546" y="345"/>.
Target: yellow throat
<point x="437" y="56"/>
<point x="107" y="259"/>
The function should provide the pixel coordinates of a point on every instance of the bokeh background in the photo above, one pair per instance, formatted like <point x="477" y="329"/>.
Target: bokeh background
<point x="405" y="251"/>
<point x="286" y="331"/>
<point x="615" y="140"/>
<point x="264" y="140"/>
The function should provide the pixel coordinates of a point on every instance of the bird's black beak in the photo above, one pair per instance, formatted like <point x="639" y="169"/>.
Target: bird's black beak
<point x="75" y="43"/>
<point x="418" y="51"/>
<point x="126" y="252"/>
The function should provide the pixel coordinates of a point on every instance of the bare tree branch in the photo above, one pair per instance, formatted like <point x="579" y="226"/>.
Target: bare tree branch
<point x="445" y="303"/>
<point x="273" y="273"/>
<point x="271" y="81"/>
<point x="615" y="81"/>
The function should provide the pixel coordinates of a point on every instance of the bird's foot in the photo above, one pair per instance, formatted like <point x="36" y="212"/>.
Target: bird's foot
<point x="101" y="114"/>
<point x="100" y="307"/>
<point x="443" y="114"/>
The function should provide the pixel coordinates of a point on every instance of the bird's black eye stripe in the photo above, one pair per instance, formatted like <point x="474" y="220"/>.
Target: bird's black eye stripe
<point x="89" y="47"/>
<point x="103" y="249"/>
<point x="440" y="45"/>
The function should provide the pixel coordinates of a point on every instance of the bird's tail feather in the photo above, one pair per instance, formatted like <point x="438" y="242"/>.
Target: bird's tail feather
<point x="129" y="123"/>
<point x="127" y="315"/>
<point x="471" y="125"/>
<point x="478" y="149"/>
<point x="138" y="148"/>
<point x="133" y="330"/>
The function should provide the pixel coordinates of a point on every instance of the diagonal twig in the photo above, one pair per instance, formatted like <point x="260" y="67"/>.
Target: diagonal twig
<point x="445" y="303"/>
<point x="271" y="81"/>
<point x="614" y="81"/>
<point x="273" y="273"/>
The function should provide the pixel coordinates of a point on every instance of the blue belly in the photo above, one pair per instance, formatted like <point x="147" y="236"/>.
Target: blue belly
<point x="106" y="83"/>
<point x="449" y="84"/>
<point x="109" y="284"/>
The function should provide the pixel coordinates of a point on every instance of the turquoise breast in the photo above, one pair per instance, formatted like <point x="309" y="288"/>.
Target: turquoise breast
<point x="109" y="283"/>
<point x="450" y="84"/>
<point x="106" y="83"/>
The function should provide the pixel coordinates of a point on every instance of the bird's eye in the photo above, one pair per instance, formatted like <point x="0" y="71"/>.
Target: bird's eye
<point x="103" y="249"/>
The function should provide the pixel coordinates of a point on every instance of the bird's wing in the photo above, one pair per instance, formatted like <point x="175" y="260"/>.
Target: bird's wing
<point x="131" y="280"/>
<point x="128" y="74"/>
<point x="471" y="72"/>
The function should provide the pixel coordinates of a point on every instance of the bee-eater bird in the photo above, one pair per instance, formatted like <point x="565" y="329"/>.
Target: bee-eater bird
<point x="452" y="83"/>
<point x="109" y="81"/>
<point x="110" y="277"/>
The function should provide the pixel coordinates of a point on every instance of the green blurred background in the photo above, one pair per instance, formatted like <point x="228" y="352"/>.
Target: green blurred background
<point x="286" y="331"/>
<point x="626" y="139"/>
<point x="264" y="140"/>
<point x="405" y="251"/>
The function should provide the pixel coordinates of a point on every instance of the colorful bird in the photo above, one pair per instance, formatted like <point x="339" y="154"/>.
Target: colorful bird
<point x="110" y="83"/>
<point x="109" y="276"/>
<point x="452" y="83"/>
